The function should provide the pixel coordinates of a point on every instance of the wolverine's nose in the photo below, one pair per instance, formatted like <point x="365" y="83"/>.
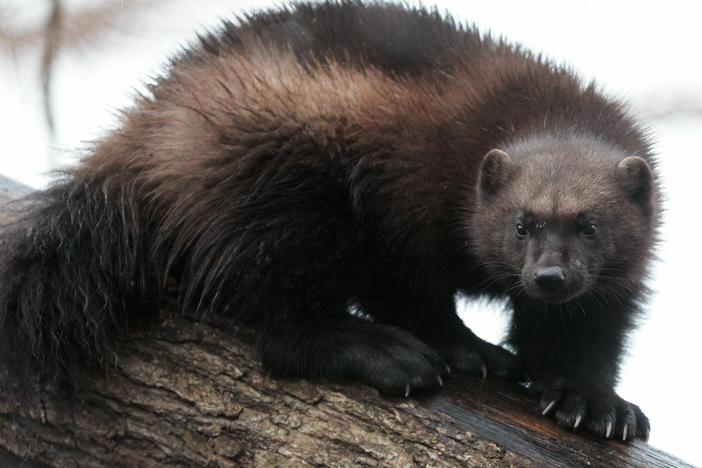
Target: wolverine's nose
<point x="550" y="278"/>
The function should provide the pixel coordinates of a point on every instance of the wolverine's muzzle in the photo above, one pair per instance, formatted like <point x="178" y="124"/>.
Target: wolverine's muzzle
<point x="550" y="279"/>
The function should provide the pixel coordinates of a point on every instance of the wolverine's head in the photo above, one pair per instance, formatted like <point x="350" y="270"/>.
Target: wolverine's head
<point x="558" y="215"/>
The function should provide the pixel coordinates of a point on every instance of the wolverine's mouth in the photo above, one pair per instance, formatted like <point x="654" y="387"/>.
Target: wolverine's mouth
<point x="556" y="297"/>
<point x="553" y="284"/>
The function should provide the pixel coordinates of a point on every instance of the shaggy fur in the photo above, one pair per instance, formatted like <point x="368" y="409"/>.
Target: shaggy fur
<point x="318" y="157"/>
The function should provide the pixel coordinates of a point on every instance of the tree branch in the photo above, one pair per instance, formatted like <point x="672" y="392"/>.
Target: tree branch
<point x="191" y="393"/>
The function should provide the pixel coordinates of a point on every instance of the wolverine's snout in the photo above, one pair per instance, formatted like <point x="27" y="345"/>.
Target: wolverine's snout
<point x="551" y="283"/>
<point x="550" y="274"/>
<point x="550" y="279"/>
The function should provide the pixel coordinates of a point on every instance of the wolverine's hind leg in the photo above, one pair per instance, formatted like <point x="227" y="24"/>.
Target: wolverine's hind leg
<point x="342" y="347"/>
<point x="305" y="330"/>
<point x="303" y="326"/>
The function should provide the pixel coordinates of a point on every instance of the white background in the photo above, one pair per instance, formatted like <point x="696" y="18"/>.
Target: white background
<point x="647" y="52"/>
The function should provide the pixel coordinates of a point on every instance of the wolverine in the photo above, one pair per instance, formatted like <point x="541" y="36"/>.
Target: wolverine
<point x="332" y="175"/>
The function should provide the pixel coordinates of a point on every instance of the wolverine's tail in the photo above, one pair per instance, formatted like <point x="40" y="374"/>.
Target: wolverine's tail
<point x="69" y="266"/>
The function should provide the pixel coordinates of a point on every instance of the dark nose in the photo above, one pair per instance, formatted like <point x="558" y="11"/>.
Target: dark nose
<point x="550" y="278"/>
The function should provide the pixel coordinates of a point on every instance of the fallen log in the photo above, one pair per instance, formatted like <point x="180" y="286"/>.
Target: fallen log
<point x="189" y="392"/>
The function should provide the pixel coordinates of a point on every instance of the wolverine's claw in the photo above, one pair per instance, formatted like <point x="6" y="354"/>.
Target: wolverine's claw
<point x="441" y="382"/>
<point x="407" y="390"/>
<point x="608" y="432"/>
<point x="483" y="369"/>
<point x="578" y="420"/>
<point x="626" y="426"/>
<point x="548" y="408"/>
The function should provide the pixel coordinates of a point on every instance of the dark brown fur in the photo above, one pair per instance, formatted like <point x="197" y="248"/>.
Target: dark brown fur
<point x="322" y="156"/>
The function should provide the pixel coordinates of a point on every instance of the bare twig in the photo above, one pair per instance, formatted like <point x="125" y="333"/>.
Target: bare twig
<point x="665" y="105"/>
<point x="51" y="44"/>
<point x="64" y="30"/>
<point x="692" y="111"/>
<point x="79" y="26"/>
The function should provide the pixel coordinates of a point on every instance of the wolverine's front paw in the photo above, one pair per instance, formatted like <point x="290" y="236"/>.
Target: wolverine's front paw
<point x="601" y="413"/>
<point x="481" y="358"/>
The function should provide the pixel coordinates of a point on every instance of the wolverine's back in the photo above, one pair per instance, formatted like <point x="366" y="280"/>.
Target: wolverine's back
<point x="390" y="37"/>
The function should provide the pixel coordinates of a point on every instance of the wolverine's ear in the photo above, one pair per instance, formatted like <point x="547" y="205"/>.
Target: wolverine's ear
<point x="636" y="177"/>
<point x="495" y="170"/>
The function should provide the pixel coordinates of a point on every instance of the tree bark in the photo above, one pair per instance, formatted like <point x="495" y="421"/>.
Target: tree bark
<point x="190" y="392"/>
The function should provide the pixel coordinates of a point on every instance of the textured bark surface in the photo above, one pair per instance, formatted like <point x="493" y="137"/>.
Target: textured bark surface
<point x="187" y="394"/>
<point x="190" y="393"/>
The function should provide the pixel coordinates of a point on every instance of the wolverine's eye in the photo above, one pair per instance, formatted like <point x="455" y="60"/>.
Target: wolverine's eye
<point x="590" y="230"/>
<point x="521" y="231"/>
